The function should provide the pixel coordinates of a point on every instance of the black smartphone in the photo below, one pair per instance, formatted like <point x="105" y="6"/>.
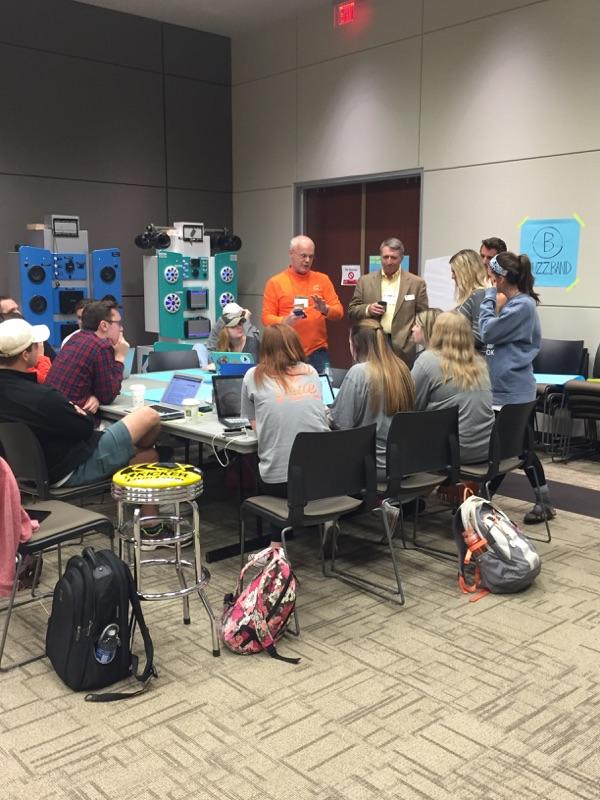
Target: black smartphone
<point x="382" y="303"/>
<point x="299" y="312"/>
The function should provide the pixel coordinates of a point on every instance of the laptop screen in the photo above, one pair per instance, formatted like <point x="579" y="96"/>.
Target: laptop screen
<point x="230" y="357"/>
<point x="128" y="364"/>
<point x="180" y="388"/>
<point x="228" y="395"/>
<point x="326" y="390"/>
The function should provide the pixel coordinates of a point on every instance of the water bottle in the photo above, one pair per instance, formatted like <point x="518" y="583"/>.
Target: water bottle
<point x="106" y="646"/>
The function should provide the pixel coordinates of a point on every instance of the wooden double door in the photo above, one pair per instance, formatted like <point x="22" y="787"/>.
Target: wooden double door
<point x="348" y="222"/>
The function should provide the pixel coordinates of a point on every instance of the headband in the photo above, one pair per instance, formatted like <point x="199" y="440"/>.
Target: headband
<point x="496" y="268"/>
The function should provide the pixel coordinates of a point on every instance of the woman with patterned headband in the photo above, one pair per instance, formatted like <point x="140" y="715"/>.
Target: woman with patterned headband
<point x="510" y="327"/>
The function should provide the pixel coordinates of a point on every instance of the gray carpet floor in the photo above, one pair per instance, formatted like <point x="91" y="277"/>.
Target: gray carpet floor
<point x="439" y="699"/>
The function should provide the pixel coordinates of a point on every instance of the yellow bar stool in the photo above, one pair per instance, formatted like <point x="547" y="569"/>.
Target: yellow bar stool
<point x="175" y="485"/>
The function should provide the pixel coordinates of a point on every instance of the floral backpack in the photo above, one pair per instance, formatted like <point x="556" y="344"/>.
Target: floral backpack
<point x="255" y="618"/>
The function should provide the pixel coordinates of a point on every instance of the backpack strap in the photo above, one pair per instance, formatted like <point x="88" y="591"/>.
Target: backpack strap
<point x="464" y="557"/>
<point x="149" y="670"/>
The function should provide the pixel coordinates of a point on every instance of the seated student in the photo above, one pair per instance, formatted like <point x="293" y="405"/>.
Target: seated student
<point x="374" y="389"/>
<point x="89" y="368"/>
<point x="450" y="373"/>
<point x="229" y="311"/>
<point x="281" y="397"/>
<point x="233" y="337"/>
<point x="421" y="330"/>
<point x="79" y="306"/>
<point x="75" y="453"/>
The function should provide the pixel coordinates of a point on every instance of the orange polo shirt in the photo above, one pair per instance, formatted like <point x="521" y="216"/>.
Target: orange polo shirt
<point x="278" y="301"/>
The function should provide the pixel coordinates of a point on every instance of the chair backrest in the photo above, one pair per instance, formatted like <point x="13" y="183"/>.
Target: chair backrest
<point x="422" y="441"/>
<point x="560" y="357"/>
<point x="172" y="359"/>
<point x="511" y="435"/>
<point x="596" y="367"/>
<point x="583" y="399"/>
<point x="25" y="457"/>
<point x="332" y="464"/>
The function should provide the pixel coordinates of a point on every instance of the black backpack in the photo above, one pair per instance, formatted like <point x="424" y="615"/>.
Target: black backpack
<point x="89" y="631"/>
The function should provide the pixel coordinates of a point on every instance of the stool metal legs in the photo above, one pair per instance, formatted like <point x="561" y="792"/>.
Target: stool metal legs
<point x="180" y="537"/>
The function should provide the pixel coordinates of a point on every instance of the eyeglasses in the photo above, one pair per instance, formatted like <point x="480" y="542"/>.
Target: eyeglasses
<point x="118" y="322"/>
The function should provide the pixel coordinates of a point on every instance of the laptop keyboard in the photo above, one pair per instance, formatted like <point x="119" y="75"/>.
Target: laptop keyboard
<point x="166" y="410"/>
<point x="236" y="422"/>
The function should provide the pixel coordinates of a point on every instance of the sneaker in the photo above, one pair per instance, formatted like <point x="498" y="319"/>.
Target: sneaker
<point x="157" y="533"/>
<point x="539" y="514"/>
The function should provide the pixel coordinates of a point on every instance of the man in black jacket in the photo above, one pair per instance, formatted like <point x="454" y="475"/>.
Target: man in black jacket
<point x="75" y="453"/>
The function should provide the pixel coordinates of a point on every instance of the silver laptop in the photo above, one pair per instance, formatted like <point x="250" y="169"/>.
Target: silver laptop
<point x="180" y="388"/>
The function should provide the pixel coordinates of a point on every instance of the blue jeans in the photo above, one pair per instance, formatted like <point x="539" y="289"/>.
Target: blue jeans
<point x="319" y="360"/>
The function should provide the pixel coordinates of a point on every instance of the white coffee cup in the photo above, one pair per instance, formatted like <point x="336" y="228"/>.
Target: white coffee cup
<point x="138" y="391"/>
<point x="190" y="409"/>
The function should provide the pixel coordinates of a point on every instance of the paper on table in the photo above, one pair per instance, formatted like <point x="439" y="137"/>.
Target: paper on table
<point x="440" y="286"/>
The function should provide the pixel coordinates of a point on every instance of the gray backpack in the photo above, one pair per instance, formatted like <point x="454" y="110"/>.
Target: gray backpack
<point x="504" y="560"/>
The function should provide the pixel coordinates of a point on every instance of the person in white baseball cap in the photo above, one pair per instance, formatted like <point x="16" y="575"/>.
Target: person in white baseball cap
<point x="232" y="312"/>
<point x="17" y="335"/>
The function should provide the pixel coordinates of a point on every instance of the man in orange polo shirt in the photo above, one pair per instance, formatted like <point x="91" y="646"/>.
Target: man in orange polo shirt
<point x="305" y="299"/>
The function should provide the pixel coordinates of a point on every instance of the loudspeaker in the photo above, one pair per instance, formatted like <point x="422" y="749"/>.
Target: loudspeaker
<point x="106" y="275"/>
<point x="33" y="288"/>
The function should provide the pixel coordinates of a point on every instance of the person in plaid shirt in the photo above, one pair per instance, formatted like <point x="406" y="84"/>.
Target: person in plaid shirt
<point x="88" y="370"/>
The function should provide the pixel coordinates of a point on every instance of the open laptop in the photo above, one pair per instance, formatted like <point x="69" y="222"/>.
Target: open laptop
<point x="228" y="401"/>
<point x="326" y="390"/>
<point x="179" y="388"/>
<point x="128" y="363"/>
<point x="221" y="359"/>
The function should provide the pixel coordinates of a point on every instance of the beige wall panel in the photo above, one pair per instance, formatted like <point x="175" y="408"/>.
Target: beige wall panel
<point x="264" y="133"/>
<point x="263" y="220"/>
<point x="463" y="206"/>
<point x="378" y="22"/>
<point x="538" y="65"/>
<point x="265" y="52"/>
<point x="359" y="114"/>
<point x="441" y="13"/>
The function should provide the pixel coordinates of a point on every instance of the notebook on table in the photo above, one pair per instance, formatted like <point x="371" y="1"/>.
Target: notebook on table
<point x="179" y="388"/>
<point x="228" y="401"/>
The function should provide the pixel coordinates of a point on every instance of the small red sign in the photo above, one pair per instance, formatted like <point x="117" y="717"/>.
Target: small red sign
<point x="344" y="13"/>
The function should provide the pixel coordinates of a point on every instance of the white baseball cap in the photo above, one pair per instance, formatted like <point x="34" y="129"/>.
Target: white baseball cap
<point x="17" y="335"/>
<point x="232" y="309"/>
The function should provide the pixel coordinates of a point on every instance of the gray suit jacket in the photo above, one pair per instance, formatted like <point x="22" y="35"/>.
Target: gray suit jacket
<point x="412" y="298"/>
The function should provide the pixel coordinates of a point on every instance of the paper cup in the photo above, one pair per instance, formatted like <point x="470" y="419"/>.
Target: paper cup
<point x="190" y="409"/>
<point x="138" y="391"/>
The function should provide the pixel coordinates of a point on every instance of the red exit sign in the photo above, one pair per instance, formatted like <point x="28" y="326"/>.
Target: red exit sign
<point x="344" y="13"/>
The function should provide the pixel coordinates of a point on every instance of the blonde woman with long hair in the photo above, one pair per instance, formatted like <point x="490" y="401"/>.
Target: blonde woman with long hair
<point x="423" y="327"/>
<point x="470" y="275"/>
<point x="374" y="389"/>
<point x="451" y="373"/>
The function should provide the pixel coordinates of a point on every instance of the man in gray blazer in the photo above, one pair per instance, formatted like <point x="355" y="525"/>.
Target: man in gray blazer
<point x="402" y="294"/>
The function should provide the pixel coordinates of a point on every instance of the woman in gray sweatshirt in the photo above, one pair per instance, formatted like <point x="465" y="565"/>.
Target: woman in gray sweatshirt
<point x="510" y="328"/>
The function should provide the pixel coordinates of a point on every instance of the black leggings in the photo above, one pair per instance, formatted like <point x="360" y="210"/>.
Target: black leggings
<point x="275" y="490"/>
<point x="533" y="471"/>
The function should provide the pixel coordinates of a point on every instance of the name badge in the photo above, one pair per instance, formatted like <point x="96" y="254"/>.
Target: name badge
<point x="390" y="297"/>
<point x="409" y="297"/>
<point x="301" y="302"/>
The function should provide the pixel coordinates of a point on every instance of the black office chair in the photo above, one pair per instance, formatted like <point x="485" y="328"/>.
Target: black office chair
<point x="64" y="523"/>
<point x="330" y="475"/>
<point x="23" y="452"/>
<point x="422" y="452"/>
<point x="556" y="357"/>
<point x="582" y="401"/>
<point x="172" y="360"/>
<point x="596" y="367"/>
<point x="511" y="447"/>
